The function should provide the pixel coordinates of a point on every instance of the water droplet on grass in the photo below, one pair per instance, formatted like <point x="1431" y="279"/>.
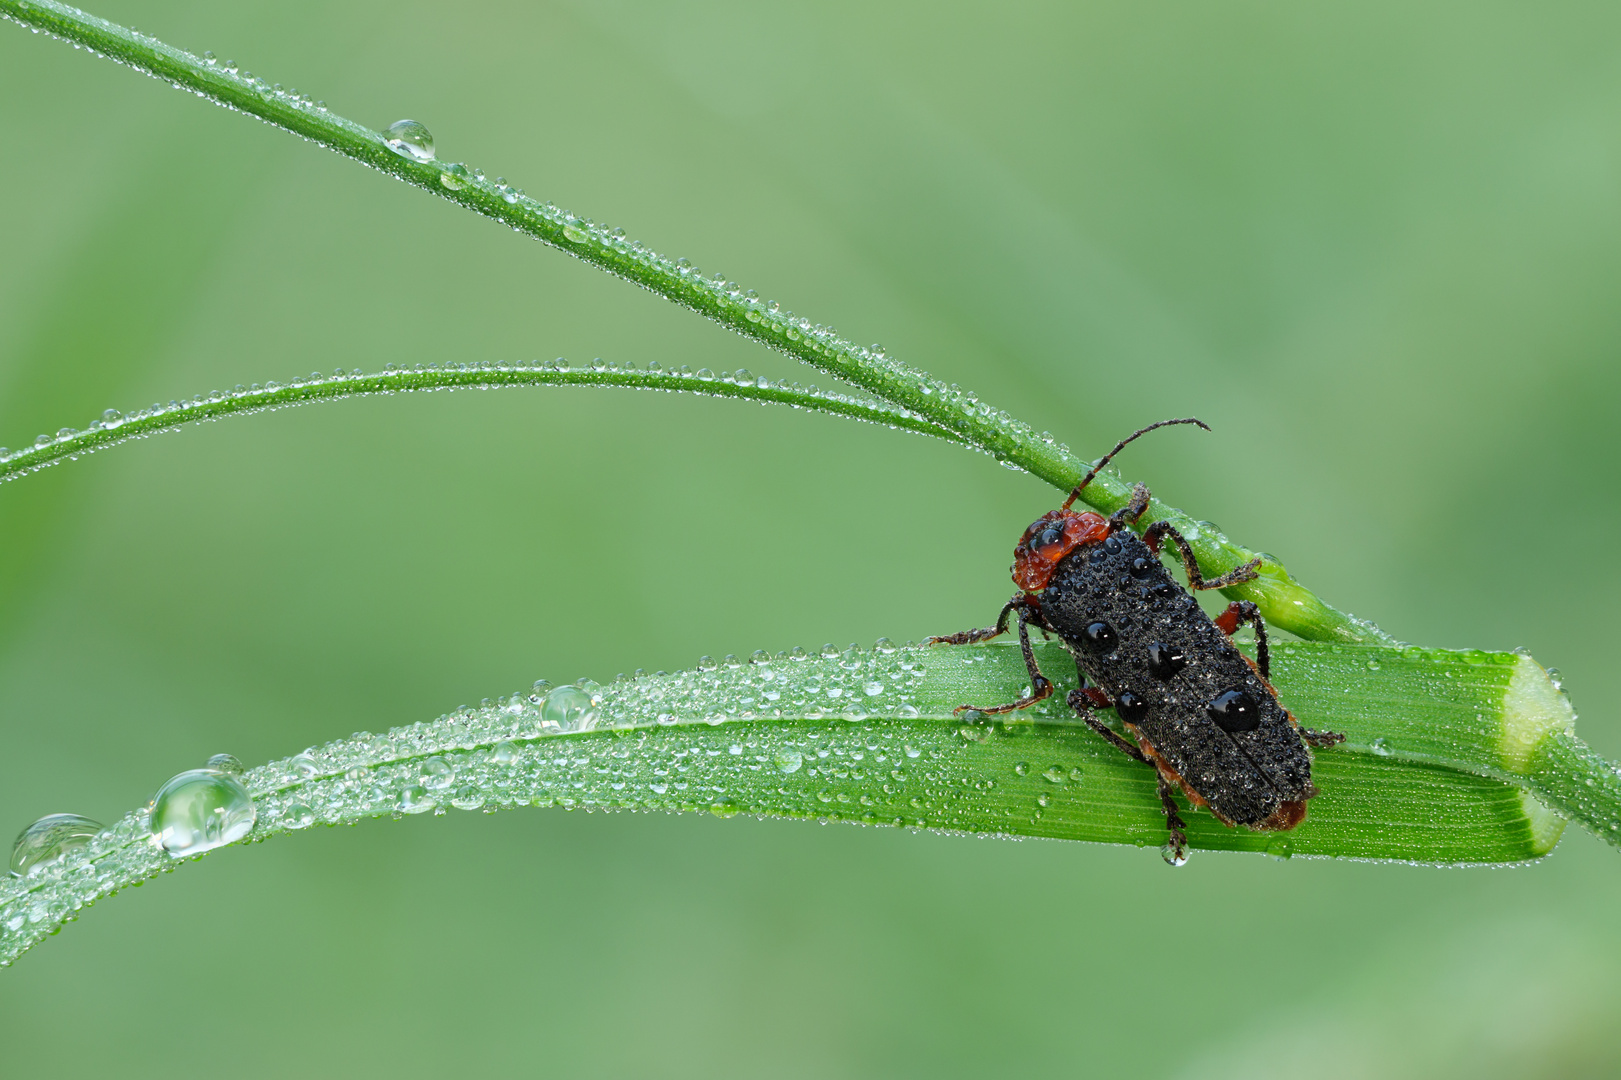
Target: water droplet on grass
<point x="437" y="773"/>
<point x="1172" y="856"/>
<point x="50" y="838"/>
<point x="200" y="810"/>
<point x="789" y="761"/>
<point x="226" y="764"/>
<point x="453" y="177"/>
<point x="410" y="139"/>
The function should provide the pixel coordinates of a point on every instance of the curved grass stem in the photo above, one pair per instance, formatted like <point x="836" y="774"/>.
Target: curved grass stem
<point x="1283" y="601"/>
<point x="115" y="427"/>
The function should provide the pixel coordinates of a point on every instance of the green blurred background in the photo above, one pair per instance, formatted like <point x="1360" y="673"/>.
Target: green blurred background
<point x="1376" y="245"/>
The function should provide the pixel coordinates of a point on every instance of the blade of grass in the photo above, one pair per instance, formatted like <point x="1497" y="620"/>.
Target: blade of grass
<point x="1283" y="601"/>
<point x="114" y="427"/>
<point x="869" y="737"/>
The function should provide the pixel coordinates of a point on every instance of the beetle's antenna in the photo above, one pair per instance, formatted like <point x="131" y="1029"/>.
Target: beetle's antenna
<point x="1121" y="445"/>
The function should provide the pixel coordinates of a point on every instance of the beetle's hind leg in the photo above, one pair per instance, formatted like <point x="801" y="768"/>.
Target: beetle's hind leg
<point x="1082" y="701"/>
<point x="1040" y="688"/>
<point x="1176" y="847"/>
<point x="1156" y="534"/>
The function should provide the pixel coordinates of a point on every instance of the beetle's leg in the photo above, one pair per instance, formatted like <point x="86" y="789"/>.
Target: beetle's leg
<point x="1082" y="700"/>
<point x="1158" y="531"/>
<point x="1237" y="614"/>
<point x="1313" y="737"/>
<point x="1173" y="822"/>
<point x="969" y="637"/>
<point x="1040" y="688"/>
<point x="1128" y="514"/>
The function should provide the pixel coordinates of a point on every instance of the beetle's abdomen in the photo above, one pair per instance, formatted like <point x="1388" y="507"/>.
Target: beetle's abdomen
<point x="1177" y="679"/>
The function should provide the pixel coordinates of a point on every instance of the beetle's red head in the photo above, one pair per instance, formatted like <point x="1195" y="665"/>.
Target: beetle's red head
<point x="1048" y="540"/>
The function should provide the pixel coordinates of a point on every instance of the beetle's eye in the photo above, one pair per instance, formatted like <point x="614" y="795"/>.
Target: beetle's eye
<point x="1234" y="711"/>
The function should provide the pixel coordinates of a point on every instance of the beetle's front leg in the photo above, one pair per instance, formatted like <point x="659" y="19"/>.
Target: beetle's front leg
<point x="1040" y="688"/>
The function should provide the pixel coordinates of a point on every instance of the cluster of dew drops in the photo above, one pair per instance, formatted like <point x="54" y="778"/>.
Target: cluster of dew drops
<point x="501" y="754"/>
<point x="412" y="140"/>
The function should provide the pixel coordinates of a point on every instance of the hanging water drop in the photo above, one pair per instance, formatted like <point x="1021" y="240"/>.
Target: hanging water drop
<point x="200" y="810"/>
<point x="410" y="139"/>
<point x="50" y="838"/>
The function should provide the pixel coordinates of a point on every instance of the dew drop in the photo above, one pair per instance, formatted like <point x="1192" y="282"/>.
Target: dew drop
<point x="226" y="764"/>
<point x="789" y="761"/>
<point x="453" y="177"/>
<point x="410" y="139"/>
<point x="50" y="838"/>
<point x="200" y="810"/>
<point x="1380" y="747"/>
<point x="723" y="808"/>
<point x="575" y="235"/>
<point x="567" y="708"/>
<point x="1172" y="856"/>
<point x="415" y="800"/>
<point x="437" y="773"/>
<point x="298" y="816"/>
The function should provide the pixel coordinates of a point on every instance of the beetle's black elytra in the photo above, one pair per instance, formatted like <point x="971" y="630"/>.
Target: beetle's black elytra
<point x="1203" y="715"/>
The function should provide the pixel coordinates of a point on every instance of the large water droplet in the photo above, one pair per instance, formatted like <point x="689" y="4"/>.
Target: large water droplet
<point x="50" y="838"/>
<point x="410" y="139"/>
<point x="454" y="176"/>
<point x="567" y="708"/>
<point x="789" y="761"/>
<point x="200" y="810"/>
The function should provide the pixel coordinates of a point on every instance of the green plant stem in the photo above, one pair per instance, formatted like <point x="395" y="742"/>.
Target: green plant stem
<point x="1283" y="601"/>
<point x="114" y="427"/>
<point x="869" y="736"/>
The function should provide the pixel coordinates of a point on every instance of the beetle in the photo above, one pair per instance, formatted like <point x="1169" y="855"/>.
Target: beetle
<point x="1203" y="714"/>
